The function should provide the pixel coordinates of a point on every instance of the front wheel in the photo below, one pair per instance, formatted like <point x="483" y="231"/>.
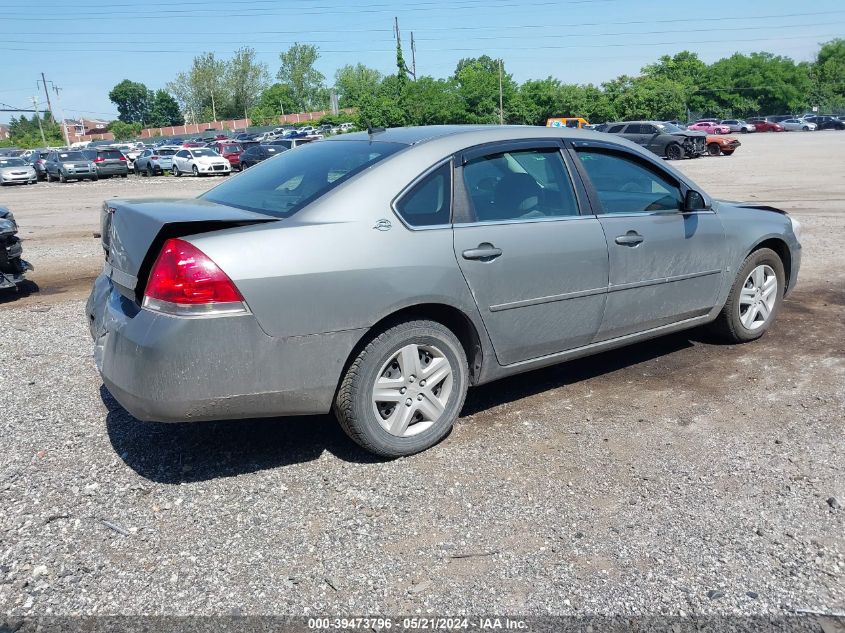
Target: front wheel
<point x="674" y="152"/>
<point x="196" y="171"/>
<point x="713" y="149"/>
<point x="806" y="128"/>
<point x="404" y="390"/>
<point x="754" y="299"/>
<point x="175" y="171"/>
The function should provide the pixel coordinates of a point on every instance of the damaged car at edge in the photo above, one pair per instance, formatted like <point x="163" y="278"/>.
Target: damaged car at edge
<point x="664" y="139"/>
<point x="12" y="267"/>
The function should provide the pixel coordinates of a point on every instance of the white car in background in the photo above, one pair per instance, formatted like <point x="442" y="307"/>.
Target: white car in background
<point x="798" y="125"/>
<point x="200" y="161"/>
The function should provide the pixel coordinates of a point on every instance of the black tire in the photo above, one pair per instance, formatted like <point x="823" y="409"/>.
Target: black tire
<point x="150" y="171"/>
<point x="62" y="177"/>
<point x="744" y="130"/>
<point x="728" y="325"/>
<point x="126" y="175"/>
<point x="95" y="179"/>
<point x="196" y="171"/>
<point x="713" y="149"/>
<point x="175" y="171"/>
<point x="674" y="151"/>
<point x="49" y="177"/>
<point x="353" y="404"/>
<point x="806" y="128"/>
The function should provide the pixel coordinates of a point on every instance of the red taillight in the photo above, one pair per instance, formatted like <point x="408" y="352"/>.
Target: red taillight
<point x="99" y="159"/>
<point x="153" y="157"/>
<point x="122" y="157"/>
<point x="185" y="277"/>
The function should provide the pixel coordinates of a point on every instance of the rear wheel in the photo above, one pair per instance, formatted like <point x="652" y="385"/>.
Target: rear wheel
<point x="150" y="171"/>
<point x="404" y="390"/>
<point x="754" y="299"/>
<point x="713" y="149"/>
<point x="674" y="152"/>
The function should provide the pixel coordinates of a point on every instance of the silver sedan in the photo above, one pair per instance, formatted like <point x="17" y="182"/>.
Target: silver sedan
<point x="16" y="171"/>
<point x="382" y="274"/>
<point x="798" y="125"/>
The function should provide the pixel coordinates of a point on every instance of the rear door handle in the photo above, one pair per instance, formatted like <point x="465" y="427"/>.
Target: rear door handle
<point x="485" y="252"/>
<point x="631" y="238"/>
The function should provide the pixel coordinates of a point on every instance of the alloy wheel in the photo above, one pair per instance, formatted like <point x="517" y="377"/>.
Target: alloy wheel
<point x="757" y="297"/>
<point x="412" y="390"/>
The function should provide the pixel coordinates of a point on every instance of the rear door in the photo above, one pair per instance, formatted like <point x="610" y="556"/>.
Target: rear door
<point x="666" y="265"/>
<point x="536" y="265"/>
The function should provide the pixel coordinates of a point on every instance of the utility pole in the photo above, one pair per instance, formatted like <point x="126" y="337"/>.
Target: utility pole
<point x="47" y="92"/>
<point x="413" y="57"/>
<point x="501" y="109"/>
<point x="62" y="114"/>
<point x="40" y="128"/>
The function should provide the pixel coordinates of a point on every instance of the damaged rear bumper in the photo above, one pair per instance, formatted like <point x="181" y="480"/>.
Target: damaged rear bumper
<point x="177" y="369"/>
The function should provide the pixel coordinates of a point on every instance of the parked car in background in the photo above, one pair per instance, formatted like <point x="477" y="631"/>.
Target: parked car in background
<point x="798" y="125"/>
<point x="717" y="144"/>
<point x="256" y="153"/>
<point x="765" y="125"/>
<point x="229" y="150"/>
<point x="36" y="159"/>
<point x="272" y="293"/>
<point x="200" y="161"/>
<point x="826" y="122"/>
<point x="681" y="124"/>
<point x="64" y="165"/>
<point x="108" y="161"/>
<point x="290" y="143"/>
<point x="780" y="118"/>
<point x="739" y="125"/>
<point x="345" y="127"/>
<point x="709" y="127"/>
<point x="307" y="130"/>
<point x="664" y="139"/>
<point x="154" y="162"/>
<point x="16" y="171"/>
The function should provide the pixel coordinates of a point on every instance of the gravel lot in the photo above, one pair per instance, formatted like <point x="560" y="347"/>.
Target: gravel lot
<point x="675" y="476"/>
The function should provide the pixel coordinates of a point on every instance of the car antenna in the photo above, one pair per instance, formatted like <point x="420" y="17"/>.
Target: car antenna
<point x="372" y="130"/>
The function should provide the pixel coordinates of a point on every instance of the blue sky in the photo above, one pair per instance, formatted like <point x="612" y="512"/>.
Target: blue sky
<point x="86" y="47"/>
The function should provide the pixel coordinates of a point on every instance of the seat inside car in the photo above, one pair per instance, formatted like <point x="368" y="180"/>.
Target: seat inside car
<point x="516" y="194"/>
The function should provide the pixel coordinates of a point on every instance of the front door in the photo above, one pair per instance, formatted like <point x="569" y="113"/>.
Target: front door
<point x="536" y="266"/>
<point x="666" y="265"/>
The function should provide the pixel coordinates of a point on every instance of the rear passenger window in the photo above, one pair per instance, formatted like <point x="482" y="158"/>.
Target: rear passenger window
<point x="615" y="129"/>
<point x="429" y="202"/>
<point x="520" y="185"/>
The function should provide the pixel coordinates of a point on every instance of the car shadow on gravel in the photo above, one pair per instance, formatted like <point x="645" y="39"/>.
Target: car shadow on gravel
<point x="199" y="451"/>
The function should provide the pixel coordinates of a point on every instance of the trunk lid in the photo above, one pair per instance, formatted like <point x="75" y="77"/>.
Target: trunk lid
<point x="134" y="230"/>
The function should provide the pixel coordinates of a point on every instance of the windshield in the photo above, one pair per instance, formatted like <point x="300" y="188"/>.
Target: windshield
<point x="71" y="156"/>
<point x="11" y="162"/>
<point x="668" y="128"/>
<point x="290" y="180"/>
<point x="204" y="152"/>
<point x="231" y="148"/>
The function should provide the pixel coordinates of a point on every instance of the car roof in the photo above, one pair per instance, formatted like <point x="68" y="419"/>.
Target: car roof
<point x="465" y="135"/>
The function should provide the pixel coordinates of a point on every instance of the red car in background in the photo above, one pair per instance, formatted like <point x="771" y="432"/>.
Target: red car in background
<point x="764" y="125"/>
<point x="230" y="151"/>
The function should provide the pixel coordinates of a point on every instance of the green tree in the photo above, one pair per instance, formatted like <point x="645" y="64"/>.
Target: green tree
<point x="164" y="111"/>
<point x="478" y="86"/>
<point x="353" y="83"/>
<point x="827" y="75"/>
<point x="245" y="79"/>
<point x="125" y="131"/>
<point x="306" y="82"/>
<point x="132" y="100"/>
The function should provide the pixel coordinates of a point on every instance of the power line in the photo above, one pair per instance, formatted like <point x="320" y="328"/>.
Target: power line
<point x="90" y="49"/>
<point x="462" y="38"/>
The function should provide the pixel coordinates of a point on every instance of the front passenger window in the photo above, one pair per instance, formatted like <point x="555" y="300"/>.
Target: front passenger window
<point x="624" y="185"/>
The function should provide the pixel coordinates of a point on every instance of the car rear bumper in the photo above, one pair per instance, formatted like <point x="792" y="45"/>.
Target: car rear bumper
<point x="176" y="369"/>
<point x="113" y="170"/>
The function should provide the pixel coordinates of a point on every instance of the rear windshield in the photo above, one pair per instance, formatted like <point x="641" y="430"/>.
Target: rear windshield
<point x="166" y="152"/>
<point x="282" y="186"/>
<point x="110" y="153"/>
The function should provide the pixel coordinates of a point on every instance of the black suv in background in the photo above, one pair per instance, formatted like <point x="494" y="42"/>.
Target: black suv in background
<point x="109" y="162"/>
<point x="664" y="139"/>
<point x="826" y="122"/>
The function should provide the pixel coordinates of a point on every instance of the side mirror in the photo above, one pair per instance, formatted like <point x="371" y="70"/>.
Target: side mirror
<point x="694" y="201"/>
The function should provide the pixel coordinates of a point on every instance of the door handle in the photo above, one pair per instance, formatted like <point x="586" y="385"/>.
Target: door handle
<point x="631" y="238"/>
<point x="485" y="252"/>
